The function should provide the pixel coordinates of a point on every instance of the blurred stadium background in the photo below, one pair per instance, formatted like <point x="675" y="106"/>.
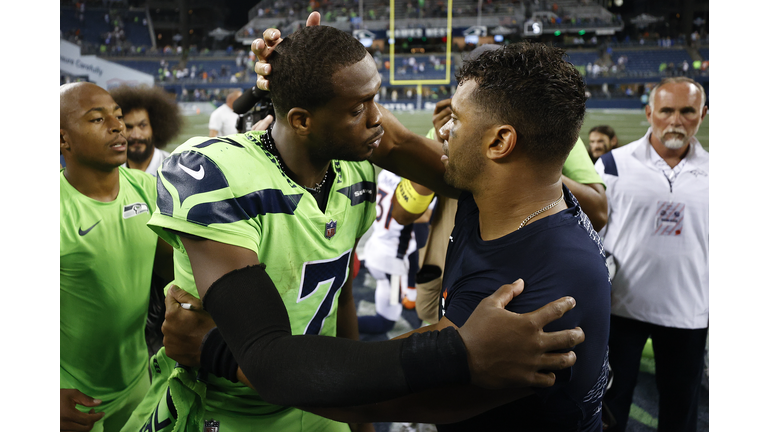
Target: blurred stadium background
<point x="629" y="124"/>
<point x="199" y="50"/>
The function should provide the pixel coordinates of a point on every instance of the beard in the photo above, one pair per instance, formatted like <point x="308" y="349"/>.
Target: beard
<point x="464" y="167"/>
<point x="674" y="143"/>
<point x="140" y="155"/>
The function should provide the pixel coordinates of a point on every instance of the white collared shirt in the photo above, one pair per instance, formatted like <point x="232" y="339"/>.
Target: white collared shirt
<point x="661" y="279"/>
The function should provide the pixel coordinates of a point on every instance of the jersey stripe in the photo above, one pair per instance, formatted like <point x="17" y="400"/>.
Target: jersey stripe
<point x="229" y="141"/>
<point x="244" y="208"/>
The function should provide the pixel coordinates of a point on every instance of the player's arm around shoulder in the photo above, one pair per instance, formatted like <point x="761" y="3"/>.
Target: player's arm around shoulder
<point x="443" y="405"/>
<point x="457" y="403"/>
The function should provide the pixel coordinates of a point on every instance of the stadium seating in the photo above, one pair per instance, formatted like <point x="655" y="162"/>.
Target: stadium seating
<point x="646" y="62"/>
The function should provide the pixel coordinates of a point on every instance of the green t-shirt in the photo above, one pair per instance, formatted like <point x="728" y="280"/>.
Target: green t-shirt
<point x="231" y="190"/>
<point x="105" y="267"/>
<point x="578" y="166"/>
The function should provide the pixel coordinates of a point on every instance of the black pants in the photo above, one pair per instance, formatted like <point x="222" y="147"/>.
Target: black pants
<point x="679" y="355"/>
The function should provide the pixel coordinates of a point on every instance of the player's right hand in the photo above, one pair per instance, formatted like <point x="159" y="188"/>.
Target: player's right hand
<point x="263" y="49"/>
<point x="506" y="349"/>
<point x="184" y="329"/>
<point x="72" y="419"/>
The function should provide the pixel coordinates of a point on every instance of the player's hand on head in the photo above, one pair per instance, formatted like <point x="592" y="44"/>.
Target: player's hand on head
<point x="72" y="419"/>
<point x="184" y="329"/>
<point x="263" y="48"/>
<point x="440" y="117"/>
<point x="313" y="19"/>
<point x="506" y="349"/>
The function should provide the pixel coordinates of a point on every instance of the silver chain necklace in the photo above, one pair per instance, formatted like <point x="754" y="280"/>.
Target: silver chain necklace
<point x="532" y="215"/>
<point x="272" y="148"/>
<point x="318" y="186"/>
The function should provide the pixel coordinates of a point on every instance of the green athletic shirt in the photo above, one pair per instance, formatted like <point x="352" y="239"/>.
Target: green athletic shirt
<point x="230" y="190"/>
<point x="105" y="266"/>
<point x="578" y="166"/>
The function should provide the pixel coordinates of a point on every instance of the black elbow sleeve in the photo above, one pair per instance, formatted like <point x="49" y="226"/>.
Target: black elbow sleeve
<point x="319" y="370"/>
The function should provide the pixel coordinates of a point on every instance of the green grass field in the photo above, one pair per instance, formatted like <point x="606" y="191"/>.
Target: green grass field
<point x="628" y="124"/>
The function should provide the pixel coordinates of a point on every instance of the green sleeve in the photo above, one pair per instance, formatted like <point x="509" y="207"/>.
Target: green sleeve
<point x="579" y="168"/>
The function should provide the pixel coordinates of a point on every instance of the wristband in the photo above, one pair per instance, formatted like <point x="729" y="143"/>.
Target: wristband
<point x="410" y="200"/>
<point x="443" y="352"/>
<point x="216" y="358"/>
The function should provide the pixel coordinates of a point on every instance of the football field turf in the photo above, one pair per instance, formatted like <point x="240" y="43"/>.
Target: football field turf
<point x="628" y="124"/>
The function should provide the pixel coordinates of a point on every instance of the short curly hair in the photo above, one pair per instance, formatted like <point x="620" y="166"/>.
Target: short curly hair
<point x="163" y="111"/>
<point x="304" y="64"/>
<point x="532" y="88"/>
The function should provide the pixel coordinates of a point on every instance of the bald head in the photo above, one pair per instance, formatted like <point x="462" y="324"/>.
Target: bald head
<point x="70" y="99"/>
<point x="232" y="97"/>
<point x="91" y="129"/>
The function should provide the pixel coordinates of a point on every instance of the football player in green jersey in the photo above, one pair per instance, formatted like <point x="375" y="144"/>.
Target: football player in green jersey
<point x="107" y="255"/>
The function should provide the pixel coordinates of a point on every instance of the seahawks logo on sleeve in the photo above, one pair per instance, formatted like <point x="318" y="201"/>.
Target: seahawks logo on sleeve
<point x="191" y="174"/>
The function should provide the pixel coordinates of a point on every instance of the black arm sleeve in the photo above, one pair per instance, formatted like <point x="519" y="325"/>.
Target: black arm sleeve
<point x="321" y="371"/>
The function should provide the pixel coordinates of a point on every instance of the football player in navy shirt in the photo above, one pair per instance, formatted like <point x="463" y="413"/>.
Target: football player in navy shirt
<point x="515" y="117"/>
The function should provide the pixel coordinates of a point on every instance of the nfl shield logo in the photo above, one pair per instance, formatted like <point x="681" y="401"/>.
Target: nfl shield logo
<point x="211" y="426"/>
<point x="330" y="229"/>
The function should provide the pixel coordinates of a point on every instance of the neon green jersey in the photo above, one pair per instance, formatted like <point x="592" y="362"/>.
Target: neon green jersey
<point x="105" y="267"/>
<point x="230" y="190"/>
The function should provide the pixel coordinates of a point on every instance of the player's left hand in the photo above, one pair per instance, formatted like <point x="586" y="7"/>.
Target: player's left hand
<point x="184" y="329"/>
<point x="263" y="49"/>
<point x="506" y="349"/>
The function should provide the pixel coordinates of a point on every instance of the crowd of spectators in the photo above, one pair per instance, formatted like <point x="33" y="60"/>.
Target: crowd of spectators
<point x="199" y="72"/>
<point x="216" y="95"/>
<point x="695" y="68"/>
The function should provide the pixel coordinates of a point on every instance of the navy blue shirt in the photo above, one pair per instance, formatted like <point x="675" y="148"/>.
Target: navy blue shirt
<point x="559" y="255"/>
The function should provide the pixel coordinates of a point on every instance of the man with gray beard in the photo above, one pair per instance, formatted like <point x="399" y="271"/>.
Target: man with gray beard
<point x="658" y="234"/>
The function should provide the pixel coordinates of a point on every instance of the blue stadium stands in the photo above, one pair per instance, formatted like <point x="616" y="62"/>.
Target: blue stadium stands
<point x="95" y="30"/>
<point x="643" y="61"/>
<point x="582" y="58"/>
<point x="92" y="27"/>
